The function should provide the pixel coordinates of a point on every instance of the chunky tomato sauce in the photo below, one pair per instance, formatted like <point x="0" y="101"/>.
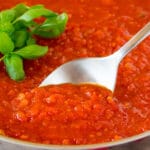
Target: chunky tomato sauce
<point x="83" y="114"/>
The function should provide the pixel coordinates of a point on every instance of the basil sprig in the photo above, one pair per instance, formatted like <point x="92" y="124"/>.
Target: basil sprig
<point x="6" y="43"/>
<point x="17" y="30"/>
<point x="52" y="27"/>
<point x="14" y="67"/>
<point x="32" y="51"/>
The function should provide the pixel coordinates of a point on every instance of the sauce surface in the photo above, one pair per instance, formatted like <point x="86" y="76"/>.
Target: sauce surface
<point x="69" y="114"/>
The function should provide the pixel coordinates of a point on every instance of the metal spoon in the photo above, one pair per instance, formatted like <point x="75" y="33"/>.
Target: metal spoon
<point x="102" y="71"/>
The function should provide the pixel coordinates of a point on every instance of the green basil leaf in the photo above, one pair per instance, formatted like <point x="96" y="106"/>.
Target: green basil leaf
<point x="37" y="6"/>
<point x="24" y="25"/>
<point x="20" y="38"/>
<point x="35" y="13"/>
<point x="14" y="67"/>
<point x="7" y="27"/>
<point x="7" y="15"/>
<point x="32" y="51"/>
<point x="31" y="41"/>
<point x="6" y="44"/>
<point x="20" y="9"/>
<point x="52" y="27"/>
<point x="19" y="26"/>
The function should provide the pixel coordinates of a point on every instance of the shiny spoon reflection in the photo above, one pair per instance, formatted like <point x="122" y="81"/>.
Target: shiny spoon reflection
<point x="102" y="71"/>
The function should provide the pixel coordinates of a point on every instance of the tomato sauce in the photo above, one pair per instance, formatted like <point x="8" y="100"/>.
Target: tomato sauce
<point x="82" y="114"/>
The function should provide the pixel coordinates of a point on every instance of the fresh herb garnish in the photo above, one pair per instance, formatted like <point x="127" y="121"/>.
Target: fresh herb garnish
<point x="14" y="66"/>
<point x="6" y="44"/>
<point x="52" y="27"/>
<point x="32" y="51"/>
<point x="17" y="30"/>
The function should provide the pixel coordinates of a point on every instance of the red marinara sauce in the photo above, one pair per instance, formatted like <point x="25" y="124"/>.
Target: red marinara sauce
<point x="83" y="114"/>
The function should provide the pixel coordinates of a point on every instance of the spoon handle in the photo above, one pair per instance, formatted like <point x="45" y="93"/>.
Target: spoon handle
<point x="134" y="41"/>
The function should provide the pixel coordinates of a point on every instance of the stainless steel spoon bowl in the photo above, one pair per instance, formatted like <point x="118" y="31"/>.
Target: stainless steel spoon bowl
<point x="102" y="71"/>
